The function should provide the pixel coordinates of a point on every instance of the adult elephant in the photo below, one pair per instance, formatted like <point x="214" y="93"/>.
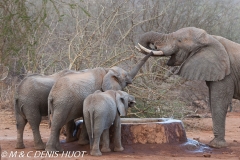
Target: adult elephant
<point x="66" y="98"/>
<point x="202" y="56"/>
<point x="31" y="103"/>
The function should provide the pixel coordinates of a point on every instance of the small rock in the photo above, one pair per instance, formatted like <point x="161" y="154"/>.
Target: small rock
<point x="192" y="147"/>
<point x="197" y="139"/>
<point x="207" y="155"/>
<point x="193" y="116"/>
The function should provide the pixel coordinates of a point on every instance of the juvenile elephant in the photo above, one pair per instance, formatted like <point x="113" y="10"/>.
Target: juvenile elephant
<point x="65" y="101"/>
<point x="31" y="103"/>
<point x="100" y="111"/>
<point x="206" y="57"/>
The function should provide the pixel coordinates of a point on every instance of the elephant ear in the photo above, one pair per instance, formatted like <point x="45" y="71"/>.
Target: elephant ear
<point x="97" y="91"/>
<point x="122" y="103"/>
<point x="111" y="81"/>
<point x="209" y="63"/>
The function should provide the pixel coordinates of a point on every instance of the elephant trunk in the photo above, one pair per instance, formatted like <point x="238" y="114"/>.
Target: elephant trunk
<point x="136" y="68"/>
<point x="150" y="38"/>
<point x="147" y="42"/>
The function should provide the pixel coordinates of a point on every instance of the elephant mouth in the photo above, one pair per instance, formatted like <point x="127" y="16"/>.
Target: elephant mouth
<point x="129" y="81"/>
<point x="131" y="104"/>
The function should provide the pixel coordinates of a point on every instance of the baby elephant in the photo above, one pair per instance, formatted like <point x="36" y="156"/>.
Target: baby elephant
<point x="100" y="111"/>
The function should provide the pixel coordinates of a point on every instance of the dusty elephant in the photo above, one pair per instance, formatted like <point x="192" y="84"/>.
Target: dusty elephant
<point x="66" y="98"/>
<point x="206" y="57"/>
<point x="100" y="111"/>
<point x="31" y="103"/>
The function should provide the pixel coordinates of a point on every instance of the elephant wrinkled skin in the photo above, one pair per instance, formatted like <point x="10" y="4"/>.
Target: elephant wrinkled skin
<point x="206" y="57"/>
<point x="100" y="111"/>
<point x="65" y="101"/>
<point x="31" y="103"/>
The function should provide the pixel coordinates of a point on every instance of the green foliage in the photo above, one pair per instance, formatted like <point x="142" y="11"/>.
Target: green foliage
<point x="163" y="108"/>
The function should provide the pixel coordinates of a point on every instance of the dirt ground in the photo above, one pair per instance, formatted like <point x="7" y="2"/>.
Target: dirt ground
<point x="196" y="128"/>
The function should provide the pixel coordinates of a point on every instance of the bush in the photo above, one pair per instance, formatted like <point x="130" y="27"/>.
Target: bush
<point x="48" y="36"/>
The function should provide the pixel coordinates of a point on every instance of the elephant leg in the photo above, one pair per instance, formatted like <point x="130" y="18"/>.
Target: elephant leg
<point x="221" y="94"/>
<point x="117" y="135"/>
<point x="21" y="123"/>
<point x="53" y="143"/>
<point x="105" y="141"/>
<point x="101" y="140"/>
<point x="91" y="142"/>
<point x="83" y="138"/>
<point x="57" y="123"/>
<point x="95" y="147"/>
<point x="70" y="127"/>
<point x="34" y="121"/>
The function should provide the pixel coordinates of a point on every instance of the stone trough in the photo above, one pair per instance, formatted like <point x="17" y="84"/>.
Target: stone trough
<point x="150" y="130"/>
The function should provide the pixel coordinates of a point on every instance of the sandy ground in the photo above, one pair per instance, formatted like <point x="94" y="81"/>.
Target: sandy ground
<point x="196" y="128"/>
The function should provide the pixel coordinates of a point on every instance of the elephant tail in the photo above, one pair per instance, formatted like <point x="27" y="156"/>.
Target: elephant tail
<point x="50" y="110"/>
<point x="91" y="120"/>
<point x="18" y="109"/>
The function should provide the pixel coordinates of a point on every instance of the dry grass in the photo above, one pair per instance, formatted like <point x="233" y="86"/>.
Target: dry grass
<point x="6" y="104"/>
<point x="55" y="35"/>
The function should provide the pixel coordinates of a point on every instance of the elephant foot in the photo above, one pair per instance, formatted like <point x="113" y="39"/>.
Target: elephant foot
<point x="41" y="146"/>
<point x="71" y="139"/>
<point x="59" y="148"/>
<point x="95" y="153"/>
<point x="105" y="149"/>
<point x="216" y="143"/>
<point x="50" y="148"/>
<point x="83" y="141"/>
<point x="19" y="146"/>
<point x="53" y="150"/>
<point x="118" y="149"/>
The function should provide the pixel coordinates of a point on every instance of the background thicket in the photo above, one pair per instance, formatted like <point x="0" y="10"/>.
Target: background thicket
<point x="46" y="36"/>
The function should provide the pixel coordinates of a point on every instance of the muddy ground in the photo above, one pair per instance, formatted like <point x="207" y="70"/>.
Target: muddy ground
<point x="196" y="128"/>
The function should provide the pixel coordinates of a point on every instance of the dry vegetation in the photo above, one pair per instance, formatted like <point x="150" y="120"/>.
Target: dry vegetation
<point x="47" y="36"/>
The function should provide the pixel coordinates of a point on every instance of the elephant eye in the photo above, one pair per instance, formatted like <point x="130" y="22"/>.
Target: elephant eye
<point x="179" y="40"/>
<point x="131" y="104"/>
<point x="124" y="75"/>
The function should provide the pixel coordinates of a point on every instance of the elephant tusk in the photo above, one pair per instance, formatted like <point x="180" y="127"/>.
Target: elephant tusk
<point x="138" y="48"/>
<point x="156" y="53"/>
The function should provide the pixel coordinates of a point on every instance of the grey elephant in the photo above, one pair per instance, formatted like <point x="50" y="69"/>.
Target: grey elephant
<point x="31" y="103"/>
<point x="206" y="57"/>
<point x="65" y="101"/>
<point x="100" y="111"/>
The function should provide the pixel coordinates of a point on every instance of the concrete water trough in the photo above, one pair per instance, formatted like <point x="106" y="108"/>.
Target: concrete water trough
<point x="150" y="130"/>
